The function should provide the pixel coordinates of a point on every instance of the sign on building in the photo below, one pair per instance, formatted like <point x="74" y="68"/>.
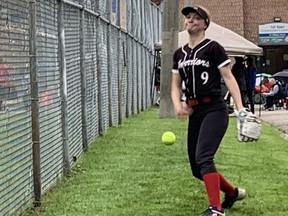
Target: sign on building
<point x="113" y="14"/>
<point x="118" y="17"/>
<point x="123" y="9"/>
<point x="273" y="34"/>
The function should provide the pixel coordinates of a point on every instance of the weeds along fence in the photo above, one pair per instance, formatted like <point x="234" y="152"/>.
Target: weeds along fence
<point x="69" y="70"/>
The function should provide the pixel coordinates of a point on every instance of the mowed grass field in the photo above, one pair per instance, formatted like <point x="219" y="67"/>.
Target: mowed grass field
<point x="128" y="171"/>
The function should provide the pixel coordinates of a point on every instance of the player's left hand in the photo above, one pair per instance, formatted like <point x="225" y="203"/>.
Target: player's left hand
<point x="248" y="126"/>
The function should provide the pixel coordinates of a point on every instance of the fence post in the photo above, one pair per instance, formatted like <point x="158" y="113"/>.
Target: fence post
<point x="142" y="7"/>
<point x="109" y="44"/>
<point x="110" y="103"/>
<point x="126" y="64"/>
<point x="99" y="74"/>
<point x="137" y="67"/>
<point x="34" y="104"/>
<point x="63" y="88"/>
<point x="134" y="91"/>
<point x="119" y="69"/>
<point x="144" y="75"/>
<point x="83" y="78"/>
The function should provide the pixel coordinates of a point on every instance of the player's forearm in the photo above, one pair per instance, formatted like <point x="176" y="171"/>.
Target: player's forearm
<point x="176" y="91"/>
<point x="234" y="91"/>
<point x="176" y="97"/>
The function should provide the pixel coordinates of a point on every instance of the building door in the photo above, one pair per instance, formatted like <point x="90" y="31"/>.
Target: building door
<point x="276" y="58"/>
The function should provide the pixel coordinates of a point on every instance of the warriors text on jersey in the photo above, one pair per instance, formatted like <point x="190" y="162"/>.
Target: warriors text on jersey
<point x="199" y="68"/>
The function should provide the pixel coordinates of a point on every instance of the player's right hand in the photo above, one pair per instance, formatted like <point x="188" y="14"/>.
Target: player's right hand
<point x="183" y="110"/>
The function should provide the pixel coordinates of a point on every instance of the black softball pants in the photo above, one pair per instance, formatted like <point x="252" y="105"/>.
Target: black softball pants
<point x="206" y="128"/>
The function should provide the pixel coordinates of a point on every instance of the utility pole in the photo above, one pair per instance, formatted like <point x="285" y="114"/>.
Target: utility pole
<point x="182" y="4"/>
<point x="169" y="45"/>
<point x="187" y="3"/>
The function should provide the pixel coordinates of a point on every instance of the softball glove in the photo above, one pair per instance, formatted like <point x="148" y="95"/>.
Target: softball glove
<point x="248" y="126"/>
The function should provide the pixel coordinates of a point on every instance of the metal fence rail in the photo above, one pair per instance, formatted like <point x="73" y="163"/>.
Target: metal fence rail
<point x="15" y="124"/>
<point x="91" y="77"/>
<point x="69" y="70"/>
<point x="48" y="86"/>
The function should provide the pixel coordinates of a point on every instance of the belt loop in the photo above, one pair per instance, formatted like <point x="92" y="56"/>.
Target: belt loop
<point x="206" y="99"/>
<point x="192" y="102"/>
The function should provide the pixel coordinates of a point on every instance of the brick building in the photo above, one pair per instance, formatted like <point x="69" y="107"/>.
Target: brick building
<point x="247" y="18"/>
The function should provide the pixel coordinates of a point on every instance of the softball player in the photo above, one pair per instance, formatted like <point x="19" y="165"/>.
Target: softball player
<point x="200" y="64"/>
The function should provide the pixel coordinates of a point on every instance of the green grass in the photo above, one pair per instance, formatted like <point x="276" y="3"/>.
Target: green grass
<point x="128" y="171"/>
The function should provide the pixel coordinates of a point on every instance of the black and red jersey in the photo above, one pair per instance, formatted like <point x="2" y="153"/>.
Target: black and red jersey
<point x="199" y="68"/>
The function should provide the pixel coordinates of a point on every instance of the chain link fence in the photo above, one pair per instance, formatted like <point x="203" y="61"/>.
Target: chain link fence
<point x="69" y="70"/>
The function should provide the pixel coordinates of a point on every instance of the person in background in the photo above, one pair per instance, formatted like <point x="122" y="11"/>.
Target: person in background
<point x="272" y="94"/>
<point x="267" y="83"/>
<point x="239" y="72"/>
<point x="157" y="80"/>
<point x="250" y="81"/>
<point x="201" y="64"/>
<point x="264" y="86"/>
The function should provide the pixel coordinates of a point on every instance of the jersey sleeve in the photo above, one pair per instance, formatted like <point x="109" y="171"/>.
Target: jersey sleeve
<point x="221" y="59"/>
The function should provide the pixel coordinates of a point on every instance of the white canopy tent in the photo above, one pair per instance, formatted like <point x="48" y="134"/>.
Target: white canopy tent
<point x="233" y="43"/>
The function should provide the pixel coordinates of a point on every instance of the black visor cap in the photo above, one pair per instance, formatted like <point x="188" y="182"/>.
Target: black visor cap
<point x="186" y="10"/>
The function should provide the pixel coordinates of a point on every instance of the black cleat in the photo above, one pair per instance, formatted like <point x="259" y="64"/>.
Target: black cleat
<point x="228" y="202"/>
<point x="213" y="211"/>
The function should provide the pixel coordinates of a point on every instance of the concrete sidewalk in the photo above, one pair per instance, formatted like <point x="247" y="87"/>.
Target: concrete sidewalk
<point x="277" y="118"/>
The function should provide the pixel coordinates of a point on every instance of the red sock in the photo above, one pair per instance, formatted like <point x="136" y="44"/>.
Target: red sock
<point x="212" y="184"/>
<point x="226" y="187"/>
